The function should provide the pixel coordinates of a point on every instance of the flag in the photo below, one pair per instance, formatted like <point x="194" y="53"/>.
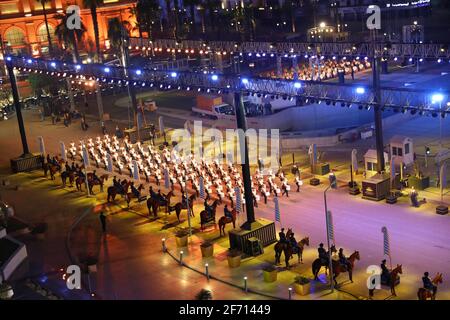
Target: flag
<point x="237" y="192"/>
<point x="202" y="188"/>
<point x="386" y="246"/>
<point x="85" y="157"/>
<point x="109" y="163"/>
<point x="354" y="160"/>
<point x="330" y="227"/>
<point x="135" y="170"/>
<point x="443" y="177"/>
<point x="277" y="210"/>
<point x="63" y="150"/>
<point x="161" y="124"/>
<point x="41" y="145"/>
<point x="166" y="179"/>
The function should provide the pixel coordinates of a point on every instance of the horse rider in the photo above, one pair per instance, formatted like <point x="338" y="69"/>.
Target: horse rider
<point x="208" y="208"/>
<point x="293" y="242"/>
<point x="68" y="169"/>
<point x="80" y="173"/>
<point x="282" y="236"/>
<point x="323" y="255"/>
<point x="94" y="176"/>
<point x="227" y="213"/>
<point x="115" y="182"/>
<point x="343" y="259"/>
<point x="427" y="284"/>
<point x="73" y="167"/>
<point x="49" y="160"/>
<point x="161" y="198"/>
<point x="135" y="191"/>
<point x="152" y="193"/>
<point x="385" y="274"/>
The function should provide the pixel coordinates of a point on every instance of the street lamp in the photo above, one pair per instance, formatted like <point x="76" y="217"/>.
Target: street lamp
<point x="333" y="185"/>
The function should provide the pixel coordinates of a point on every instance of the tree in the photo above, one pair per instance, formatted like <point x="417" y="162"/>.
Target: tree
<point x="49" y="39"/>
<point x="93" y="5"/>
<point x="69" y="38"/>
<point x="146" y="12"/>
<point x="192" y="4"/>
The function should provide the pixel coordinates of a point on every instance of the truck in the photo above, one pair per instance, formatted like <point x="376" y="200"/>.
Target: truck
<point x="213" y="107"/>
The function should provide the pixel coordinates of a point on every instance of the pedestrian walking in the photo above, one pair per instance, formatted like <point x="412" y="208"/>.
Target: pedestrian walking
<point x="103" y="221"/>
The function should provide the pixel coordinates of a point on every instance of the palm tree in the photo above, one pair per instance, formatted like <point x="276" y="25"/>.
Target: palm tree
<point x="146" y="12"/>
<point x="49" y="39"/>
<point x="192" y="4"/>
<point x="119" y="38"/>
<point x="93" y="5"/>
<point x="69" y="38"/>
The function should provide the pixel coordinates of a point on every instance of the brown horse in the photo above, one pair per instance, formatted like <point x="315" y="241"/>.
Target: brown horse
<point x="131" y="195"/>
<point x="154" y="204"/>
<point x="318" y="264"/>
<point x="67" y="175"/>
<point x="393" y="277"/>
<point x="204" y="218"/>
<point x="180" y="206"/>
<point x="288" y="249"/>
<point x="52" y="169"/>
<point x="91" y="182"/>
<point x="424" y="294"/>
<point x="223" y="221"/>
<point x="113" y="191"/>
<point x="338" y="268"/>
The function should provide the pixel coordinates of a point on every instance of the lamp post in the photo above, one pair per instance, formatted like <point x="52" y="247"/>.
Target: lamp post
<point x="333" y="185"/>
<point x="241" y="124"/>
<point x="15" y="93"/>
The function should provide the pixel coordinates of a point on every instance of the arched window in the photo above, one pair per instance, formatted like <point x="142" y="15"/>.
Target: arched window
<point x="15" y="36"/>
<point x="42" y="33"/>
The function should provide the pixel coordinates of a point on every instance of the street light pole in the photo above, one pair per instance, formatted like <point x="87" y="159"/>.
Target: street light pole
<point x="241" y="124"/>
<point x="15" y="93"/>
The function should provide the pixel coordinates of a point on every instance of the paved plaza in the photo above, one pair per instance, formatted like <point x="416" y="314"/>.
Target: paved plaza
<point x="131" y="264"/>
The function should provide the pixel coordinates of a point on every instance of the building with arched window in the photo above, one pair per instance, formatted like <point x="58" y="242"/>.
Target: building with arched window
<point x="22" y="26"/>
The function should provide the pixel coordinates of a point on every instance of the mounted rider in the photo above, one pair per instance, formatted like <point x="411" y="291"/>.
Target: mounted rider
<point x="343" y="259"/>
<point x="161" y="198"/>
<point x="294" y="243"/>
<point x="208" y="208"/>
<point x="323" y="255"/>
<point x="428" y="284"/>
<point x="135" y="191"/>
<point x="385" y="273"/>
<point x="227" y="213"/>
<point x="152" y="193"/>
<point x="282" y="236"/>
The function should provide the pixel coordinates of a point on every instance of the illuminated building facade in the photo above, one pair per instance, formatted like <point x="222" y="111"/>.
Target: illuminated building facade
<point x="22" y="26"/>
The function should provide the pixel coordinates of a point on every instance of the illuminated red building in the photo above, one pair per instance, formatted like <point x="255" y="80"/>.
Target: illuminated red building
<point x="22" y="26"/>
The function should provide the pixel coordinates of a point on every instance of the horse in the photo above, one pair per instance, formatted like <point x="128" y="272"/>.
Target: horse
<point x="393" y="277"/>
<point x="179" y="206"/>
<point x="67" y="175"/>
<point x="338" y="268"/>
<point x="113" y="191"/>
<point x="288" y="249"/>
<point x="91" y="182"/>
<point x="52" y="169"/>
<point x="204" y="218"/>
<point x="131" y="195"/>
<point x="223" y="221"/>
<point x="318" y="264"/>
<point x="154" y="204"/>
<point x="424" y="294"/>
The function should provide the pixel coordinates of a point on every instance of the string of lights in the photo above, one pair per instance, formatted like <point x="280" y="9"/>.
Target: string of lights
<point x="403" y="100"/>
<point x="394" y="51"/>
